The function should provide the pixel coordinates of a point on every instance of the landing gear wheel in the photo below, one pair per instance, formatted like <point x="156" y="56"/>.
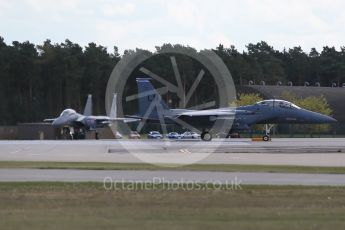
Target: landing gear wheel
<point x="206" y="136"/>
<point x="266" y="138"/>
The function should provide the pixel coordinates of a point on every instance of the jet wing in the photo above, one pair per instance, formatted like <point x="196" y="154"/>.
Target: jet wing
<point x="105" y="119"/>
<point x="216" y="114"/>
<point x="125" y="120"/>
<point x="207" y="113"/>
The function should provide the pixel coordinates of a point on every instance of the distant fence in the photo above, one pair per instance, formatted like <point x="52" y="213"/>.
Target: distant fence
<point x="8" y="132"/>
<point x="42" y="131"/>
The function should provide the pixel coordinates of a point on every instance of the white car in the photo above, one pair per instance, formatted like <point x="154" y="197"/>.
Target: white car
<point x="190" y="135"/>
<point x="155" y="135"/>
<point x="173" y="135"/>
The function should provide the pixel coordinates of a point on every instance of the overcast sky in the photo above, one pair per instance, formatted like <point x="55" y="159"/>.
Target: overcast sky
<point x="197" y="23"/>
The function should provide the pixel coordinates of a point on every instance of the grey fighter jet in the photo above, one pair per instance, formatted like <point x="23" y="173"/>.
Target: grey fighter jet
<point x="75" y="125"/>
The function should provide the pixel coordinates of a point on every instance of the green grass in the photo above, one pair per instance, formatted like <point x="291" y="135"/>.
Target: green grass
<point x="195" y="167"/>
<point x="90" y="206"/>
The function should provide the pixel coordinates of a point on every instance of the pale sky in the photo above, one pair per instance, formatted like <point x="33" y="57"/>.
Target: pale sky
<point x="198" y="23"/>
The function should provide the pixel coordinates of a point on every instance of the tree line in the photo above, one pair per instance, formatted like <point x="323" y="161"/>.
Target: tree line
<point x="39" y="81"/>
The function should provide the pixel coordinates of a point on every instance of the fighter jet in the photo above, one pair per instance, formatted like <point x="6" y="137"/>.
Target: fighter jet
<point x="152" y="109"/>
<point x="75" y="125"/>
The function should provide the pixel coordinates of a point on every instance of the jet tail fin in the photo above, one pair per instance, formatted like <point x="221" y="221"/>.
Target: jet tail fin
<point x="149" y="99"/>
<point x="88" y="106"/>
<point x="113" y="113"/>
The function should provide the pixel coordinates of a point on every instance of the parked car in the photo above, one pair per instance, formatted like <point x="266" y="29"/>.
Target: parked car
<point x="190" y="135"/>
<point x="173" y="135"/>
<point x="134" y="135"/>
<point x="155" y="135"/>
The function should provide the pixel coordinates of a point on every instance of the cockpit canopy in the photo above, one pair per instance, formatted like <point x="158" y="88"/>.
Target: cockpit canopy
<point x="67" y="112"/>
<point x="278" y="103"/>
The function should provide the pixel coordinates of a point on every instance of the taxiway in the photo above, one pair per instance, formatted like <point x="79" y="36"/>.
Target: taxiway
<point x="281" y="151"/>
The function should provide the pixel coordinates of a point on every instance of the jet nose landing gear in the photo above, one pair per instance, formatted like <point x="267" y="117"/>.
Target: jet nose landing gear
<point x="67" y="133"/>
<point x="267" y="136"/>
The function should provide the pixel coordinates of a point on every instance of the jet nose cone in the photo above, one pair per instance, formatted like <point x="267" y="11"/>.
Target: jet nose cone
<point x="326" y="119"/>
<point x="318" y="118"/>
<point x="331" y="120"/>
<point x="57" y="122"/>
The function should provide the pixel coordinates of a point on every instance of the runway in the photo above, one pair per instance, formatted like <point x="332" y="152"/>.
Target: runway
<point x="280" y="151"/>
<point x="172" y="177"/>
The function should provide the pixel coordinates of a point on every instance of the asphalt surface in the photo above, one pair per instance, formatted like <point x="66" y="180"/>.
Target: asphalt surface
<point x="109" y="177"/>
<point x="280" y="151"/>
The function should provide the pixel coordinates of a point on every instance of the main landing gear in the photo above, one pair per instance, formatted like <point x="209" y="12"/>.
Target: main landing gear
<point x="206" y="136"/>
<point x="79" y="134"/>
<point x="268" y="128"/>
<point x="70" y="133"/>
